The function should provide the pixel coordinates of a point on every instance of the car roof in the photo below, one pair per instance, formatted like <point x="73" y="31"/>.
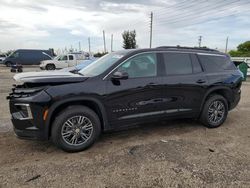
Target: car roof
<point x="19" y="50"/>
<point x="173" y="49"/>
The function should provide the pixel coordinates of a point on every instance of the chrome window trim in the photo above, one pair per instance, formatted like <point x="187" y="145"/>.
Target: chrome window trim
<point x="207" y="54"/>
<point x="198" y="53"/>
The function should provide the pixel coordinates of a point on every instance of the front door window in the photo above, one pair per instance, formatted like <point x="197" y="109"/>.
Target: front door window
<point x="143" y="65"/>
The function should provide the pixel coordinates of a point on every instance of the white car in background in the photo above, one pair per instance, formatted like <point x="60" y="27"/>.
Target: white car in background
<point x="63" y="61"/>
<point x="66" y="72"/>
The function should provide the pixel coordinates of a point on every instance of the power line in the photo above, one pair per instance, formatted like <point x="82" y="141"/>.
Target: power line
<point x="164" y="9"/>
<point x="205" y="14"/>
<point x="176" y="6"/>
<point x="207" y="20"/>
<point x="184" y="17"/>
<point x="198" y="9"/>
<point x="175" y="10"/>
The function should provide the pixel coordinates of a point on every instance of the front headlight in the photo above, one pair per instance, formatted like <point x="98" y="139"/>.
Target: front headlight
<point x="24" y="112"/>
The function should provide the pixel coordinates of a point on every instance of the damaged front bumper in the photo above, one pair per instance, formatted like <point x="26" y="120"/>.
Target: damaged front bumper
<point x="27" y="106"/>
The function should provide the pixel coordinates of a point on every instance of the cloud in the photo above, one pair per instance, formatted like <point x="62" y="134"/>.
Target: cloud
<point x="30" y="24"/>
<point x="76" y="32"/>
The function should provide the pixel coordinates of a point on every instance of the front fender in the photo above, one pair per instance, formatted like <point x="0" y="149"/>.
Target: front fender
<point x="56" y="105"/>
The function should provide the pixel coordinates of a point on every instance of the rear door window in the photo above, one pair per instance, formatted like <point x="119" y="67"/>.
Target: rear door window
<point x="215" y="63"/>
<point x="177" y="63"/>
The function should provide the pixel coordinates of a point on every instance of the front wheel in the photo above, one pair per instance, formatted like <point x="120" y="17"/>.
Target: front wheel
<point x="215" y="111"/>
<point x="8" y="64"/>
<point x="50" y="67"/>
<point x="75" y="129"/>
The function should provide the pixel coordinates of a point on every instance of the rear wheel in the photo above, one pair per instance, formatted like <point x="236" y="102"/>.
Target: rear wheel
<point x="215" y="111"/>
<point x="75" y="129"/>
<point x="50" y="67"/>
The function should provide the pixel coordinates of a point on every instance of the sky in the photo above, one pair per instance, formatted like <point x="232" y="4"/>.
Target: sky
<point x="60" y="24"/>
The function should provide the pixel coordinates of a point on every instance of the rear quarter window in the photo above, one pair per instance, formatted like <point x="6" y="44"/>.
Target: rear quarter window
<point x="216" y="63"/>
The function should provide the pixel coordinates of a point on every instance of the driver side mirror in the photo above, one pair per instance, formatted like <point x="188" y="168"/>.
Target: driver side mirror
<point x="118" y="75"/>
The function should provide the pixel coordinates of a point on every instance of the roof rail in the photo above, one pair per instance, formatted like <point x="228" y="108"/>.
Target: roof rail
<point x="189" y="48"/>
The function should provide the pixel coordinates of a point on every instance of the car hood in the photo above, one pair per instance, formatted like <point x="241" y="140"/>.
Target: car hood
<point x="47" y="61"/>
<point x="48" y="77"/>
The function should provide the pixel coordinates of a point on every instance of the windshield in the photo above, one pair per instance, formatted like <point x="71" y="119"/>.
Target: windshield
<point x="61" y="58"/>
<point x="57" y="57"/>
<point x="14" y="54"/>
<point x="102" y="64"/>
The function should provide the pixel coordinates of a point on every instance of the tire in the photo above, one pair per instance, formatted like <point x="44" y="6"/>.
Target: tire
<point x="8" y="64"/>
<point x="76" y="131"/>
<point x="50" y="67"/>
<point x="215" y="111"/>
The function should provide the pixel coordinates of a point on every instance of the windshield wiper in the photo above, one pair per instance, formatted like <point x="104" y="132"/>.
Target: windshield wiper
<point x="77" y="72"/>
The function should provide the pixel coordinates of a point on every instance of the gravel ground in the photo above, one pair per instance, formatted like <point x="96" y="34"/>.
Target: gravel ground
<point x="179" y="153"/>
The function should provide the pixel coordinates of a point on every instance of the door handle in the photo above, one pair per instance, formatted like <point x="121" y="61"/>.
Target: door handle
<point x="152" y="84"/>
<point x="200" y="81"/>
<point x="157" y="100"/>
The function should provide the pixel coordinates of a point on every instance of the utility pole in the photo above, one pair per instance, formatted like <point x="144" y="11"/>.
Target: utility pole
<point x="104" y="41"/>
<point x="111" y="46"/>
<point x="199" y="41"/>
<point x="79" y="46"/>
<point x="89" y="45"/>
<point x="226" y="45"/>
<point x="151" y="29"/>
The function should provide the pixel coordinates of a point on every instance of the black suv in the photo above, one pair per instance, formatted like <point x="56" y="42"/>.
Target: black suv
<point x="123" y="88"/>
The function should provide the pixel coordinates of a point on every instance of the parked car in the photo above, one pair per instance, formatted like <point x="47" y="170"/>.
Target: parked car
<point x="2" y="57"/>
<point x="62" y="61"/>
<point x="125" y="88"/>
<point x="28" y="57"/>
<point x="78" y="67"/>
<point x="66" y="72"/>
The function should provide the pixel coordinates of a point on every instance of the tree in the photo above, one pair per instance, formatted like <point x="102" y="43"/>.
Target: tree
<point x="100" y="54"/>
<point x="129" y="41"/>
<point x="244" y="47"/>
<point x="243" y="50"/>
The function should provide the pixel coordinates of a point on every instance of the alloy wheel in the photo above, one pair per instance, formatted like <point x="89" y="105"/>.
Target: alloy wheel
<point x="216" y="111"/>
<point x="77" y="130"/>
